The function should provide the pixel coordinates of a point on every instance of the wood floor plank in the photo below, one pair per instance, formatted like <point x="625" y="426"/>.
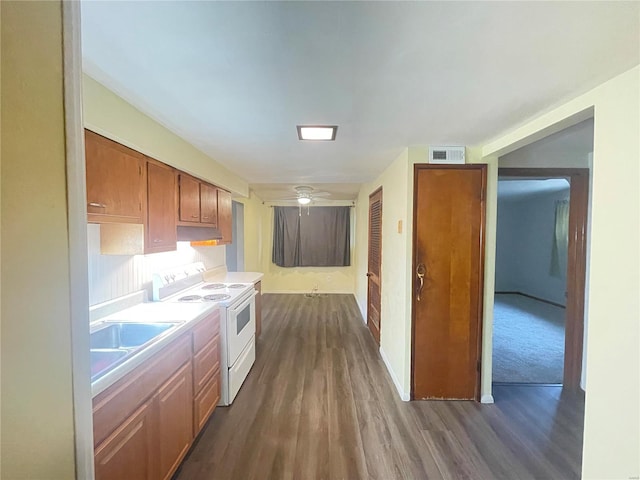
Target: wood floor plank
<point x="319" y="404"/>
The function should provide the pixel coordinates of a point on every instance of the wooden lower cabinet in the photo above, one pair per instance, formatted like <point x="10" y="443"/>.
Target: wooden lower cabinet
<point x="205" y="402"/>
<point x="129" y="452"/>
<point x="145" y="423"/>
<point x="175" y="412"/>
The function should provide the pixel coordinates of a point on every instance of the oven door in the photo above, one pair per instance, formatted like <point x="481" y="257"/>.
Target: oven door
<point x="241" y="327"/>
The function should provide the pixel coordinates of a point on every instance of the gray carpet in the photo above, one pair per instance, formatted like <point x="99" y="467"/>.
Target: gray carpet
<point x="528" y="340"/>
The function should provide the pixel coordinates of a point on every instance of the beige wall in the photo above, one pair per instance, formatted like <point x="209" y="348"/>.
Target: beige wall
<point x="109" y="115"/>
<point x="612" y="416"/>
<point x="37" y="405"/>
<point x="395" y="308"/>
<point x="258" y="238"/>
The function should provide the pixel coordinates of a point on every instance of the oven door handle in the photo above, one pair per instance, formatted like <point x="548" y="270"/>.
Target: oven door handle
<point x="244" y="303"/>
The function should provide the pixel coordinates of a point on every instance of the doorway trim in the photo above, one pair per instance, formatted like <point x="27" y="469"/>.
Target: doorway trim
<point x="576" y="262"/>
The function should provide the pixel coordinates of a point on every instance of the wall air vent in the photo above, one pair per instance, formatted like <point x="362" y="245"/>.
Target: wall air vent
<point x="446" y="155"/>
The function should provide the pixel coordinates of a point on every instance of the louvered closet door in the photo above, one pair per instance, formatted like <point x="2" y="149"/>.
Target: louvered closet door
<point x="375" y="254"/>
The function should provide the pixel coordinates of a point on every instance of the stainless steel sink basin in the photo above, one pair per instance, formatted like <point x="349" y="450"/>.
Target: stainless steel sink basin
<point x="103" y="359"/>
<point x="127" y="334"/>
<point x="113" y="342"/>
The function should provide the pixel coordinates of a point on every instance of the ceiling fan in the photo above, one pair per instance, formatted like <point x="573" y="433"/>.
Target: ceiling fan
<point x="305" y="194"/>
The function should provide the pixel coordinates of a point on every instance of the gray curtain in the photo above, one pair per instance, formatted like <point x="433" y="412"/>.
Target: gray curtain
<point x="320" y="239"/>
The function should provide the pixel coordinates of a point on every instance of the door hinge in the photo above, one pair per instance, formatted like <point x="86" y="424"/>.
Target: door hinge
<point x="482" y="194"/>
<point x="478" y="365"/>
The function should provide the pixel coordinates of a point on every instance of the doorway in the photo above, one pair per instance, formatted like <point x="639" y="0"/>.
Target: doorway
<point x="530" y="280"/>
<point x="578" y="193"/>
<point x="448" y="265"/>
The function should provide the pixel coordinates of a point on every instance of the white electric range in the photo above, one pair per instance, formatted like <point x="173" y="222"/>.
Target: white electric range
<point x="185" y="284"/>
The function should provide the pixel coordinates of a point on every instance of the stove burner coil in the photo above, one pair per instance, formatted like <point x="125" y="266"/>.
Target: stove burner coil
<point x="217" y="297"/>
<point x="190" y="298"/>
<point x="214" y="286"/>
<point x="236" y="285"/>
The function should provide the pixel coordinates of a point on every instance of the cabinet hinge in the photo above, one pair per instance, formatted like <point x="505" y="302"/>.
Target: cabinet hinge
<point x="139" y="170"/>
<point x="140" y="205"/>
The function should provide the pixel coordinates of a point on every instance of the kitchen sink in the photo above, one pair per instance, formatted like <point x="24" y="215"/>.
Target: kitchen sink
<point x="103" y="359"/>
<point x="127" y="334"/>
<point x="112" y="342"/>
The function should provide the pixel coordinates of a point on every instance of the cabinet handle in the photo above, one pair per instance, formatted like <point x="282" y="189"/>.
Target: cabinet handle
<point x="194" y="216"/>
<point x="157" y="240"/>
<point x="99" y="205"/>
<point x="204" y="216"/>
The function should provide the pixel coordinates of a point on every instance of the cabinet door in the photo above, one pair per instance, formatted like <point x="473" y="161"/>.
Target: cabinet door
<point x="208" y="204"/>
<point x="115" y="181"/>
<point x="205" y="402"/>
<point x="224" y="215"/>
<point x="189" y="199"/>
<point x="175" y="417"/>
<point x="129" y="451"/>
<point x="161" y="221"/>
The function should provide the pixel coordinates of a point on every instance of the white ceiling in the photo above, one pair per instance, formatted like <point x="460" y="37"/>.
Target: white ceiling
<point x="235" y="78"/>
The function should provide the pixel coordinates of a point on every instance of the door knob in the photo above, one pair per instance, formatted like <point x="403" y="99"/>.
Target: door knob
<point x="421" y="271"/>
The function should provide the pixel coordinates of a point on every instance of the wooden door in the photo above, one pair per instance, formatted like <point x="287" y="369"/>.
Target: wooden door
<point x="175" y="420"/>
<point x="189" y="210"/>
<point x="224" y="216"/>
<point x="161" y="222"/>
<point x="129" y="452"/>
<point x="208" y="204"/>
<point x="374" y="263"/>
<point x="449" y="216"/>
<point x="115" y="181"/>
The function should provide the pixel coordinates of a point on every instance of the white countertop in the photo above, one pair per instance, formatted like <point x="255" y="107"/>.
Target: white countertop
<point x="186" y="315"/>
<point x="223" y="276"/>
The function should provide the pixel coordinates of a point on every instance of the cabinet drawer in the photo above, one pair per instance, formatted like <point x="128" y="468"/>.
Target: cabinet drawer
<point x="117" y="402"/>
<point x="204" y="332"/>
<point x="205" y="403"/>
<point x="205" y="362"/>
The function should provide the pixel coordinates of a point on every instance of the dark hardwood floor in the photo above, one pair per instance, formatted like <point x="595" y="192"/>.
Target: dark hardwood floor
<point x="319" y="404"/>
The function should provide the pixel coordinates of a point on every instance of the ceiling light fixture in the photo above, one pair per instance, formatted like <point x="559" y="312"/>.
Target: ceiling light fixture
<point x="304" y="200"/>
<point x="317" y="132"/>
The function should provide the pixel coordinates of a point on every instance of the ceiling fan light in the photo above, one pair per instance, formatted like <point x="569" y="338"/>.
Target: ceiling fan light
<point x="304" y="200"/>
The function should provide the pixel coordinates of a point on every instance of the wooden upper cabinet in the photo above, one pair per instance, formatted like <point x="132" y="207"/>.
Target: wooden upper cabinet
<point x="208" y="204"/>
<point x="189" y="198"/>
<point x="224" y="216"/>
<point x="115" y="181"/>
<point x="198" y="202"/>
<point x="161" y="235"/>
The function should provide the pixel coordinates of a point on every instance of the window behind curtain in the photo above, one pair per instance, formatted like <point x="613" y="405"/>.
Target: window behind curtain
<point x="320" y="239"/>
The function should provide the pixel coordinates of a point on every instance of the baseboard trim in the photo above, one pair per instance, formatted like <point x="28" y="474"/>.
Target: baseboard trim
<point x="533" y="297"/>
<point x="403" y="395"/>
<point x="486" y="398"/>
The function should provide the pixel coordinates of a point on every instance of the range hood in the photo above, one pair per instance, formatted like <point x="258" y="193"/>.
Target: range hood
<point x="196" y="234"/>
